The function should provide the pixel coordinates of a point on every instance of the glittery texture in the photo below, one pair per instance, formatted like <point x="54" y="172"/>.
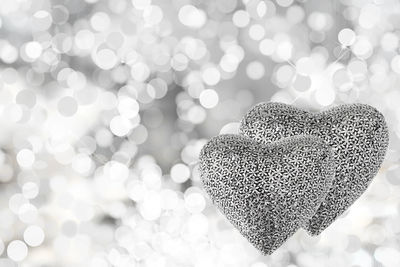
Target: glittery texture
<point x="357" y="134"/>
<point x="266" y="191"/>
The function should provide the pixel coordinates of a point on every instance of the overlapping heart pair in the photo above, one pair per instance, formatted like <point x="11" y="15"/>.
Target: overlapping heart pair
<point x="290" y="168"/>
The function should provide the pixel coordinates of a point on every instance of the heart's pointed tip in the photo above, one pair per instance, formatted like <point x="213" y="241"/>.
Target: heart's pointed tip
<point x="313" y="228"/>
<point x="267" y="252"/>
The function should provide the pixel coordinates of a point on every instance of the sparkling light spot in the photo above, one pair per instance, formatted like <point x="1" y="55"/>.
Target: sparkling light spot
<point x="209" y="98"/>
<point x="34" y="235"/>
<point x="261" y="9"/>
<point x="229" y="63"/>
<point x="284" y="3"/>
<point x="389" y="41"/>
<point x="120" y="126"/>
<point x="150" y="207"/>
<point x="241" y="18"/>
<point x="370" y="15"/>
<point x="17" y="250"/>
<point x="362" y="48"/>
<point x="267" y="47"/>
<point x="82" y="163"/>
<point x="30" y="190"/>
<point x="9" y="54"/>
<point x="180" y="173"/>
<point x="195" y="202"/>
<point x="141" y="4"/>
<point x="256" y="32"/>
<point x="27" y="213"/>
<point x="100" y="21"/>
<point x="25" y="158"/>
<point x="191" y="16"/>
<point x="140" y="71"/>
<point x="211" y="76"/>
<point x="395" y="64"/>
<point x="106" y="59"/>
<point x="255" y="70"/>
<point x="84" y="39"/>
<point x="152" y="15"/>
<point x="139" y="134"/>
<point x="33" y="50"/>
<point x="16" y="201"/>
<point x="284" y="50"/>
<point x="136" y="190"/>
<point x="41" y="20"/>
<point x="347" y="37"/>
<point x="128" y="107"/>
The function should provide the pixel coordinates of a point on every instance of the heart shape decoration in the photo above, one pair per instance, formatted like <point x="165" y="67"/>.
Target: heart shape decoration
<point x="357" y="133"/>
<point x="266" y="191"/>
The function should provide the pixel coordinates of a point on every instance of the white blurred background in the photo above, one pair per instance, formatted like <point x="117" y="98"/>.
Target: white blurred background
<point x="105" y="105"/>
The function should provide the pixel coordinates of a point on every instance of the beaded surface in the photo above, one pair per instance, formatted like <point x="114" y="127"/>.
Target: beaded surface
<point x="357" y="134"/>
<point x="105" y="106"/>
<point x="266" y="191"/>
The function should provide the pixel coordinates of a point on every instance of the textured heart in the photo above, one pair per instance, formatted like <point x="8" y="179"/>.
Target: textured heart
<point x="357" y="134"/>
<point x="266" y="191"/>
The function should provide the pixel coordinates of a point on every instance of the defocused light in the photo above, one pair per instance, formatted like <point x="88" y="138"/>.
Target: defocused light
<point x="255" y="70"/>
<point x="140" y="71"/>
<point x="211" y="75"/>
<point x="33" y="236"/>
<point x="319" y="21"/>
<point x="30" y="190"/>
<point x="152" y="15"/>
<point x="42" y="20"/>
<point x="180" y="173"/>
<point x="362" y="48"/>
<point x="120" y="126"/>
<point x="25" y="158"/>
<point x="369" y="16"/>
<point x="191" y="16"/>
<point x="256" y="32"/>
<point x="106" y="59"/>
<point x="267" y="47"/>
<point x="208" y="98"/>
<point x="195" y="202"/>
<point x="241" y="18"/>
<point x="150" y="207"/>
<point x="84" y="39"/>
<point x="100" y="21"/>
<point x="17" y="250"/>
<point x="141" y="4"/>
<point x="284" y="50"/>
<point x="347" y="37"/>
<point x="128" y="107"/>
<point x="33" y="50"/>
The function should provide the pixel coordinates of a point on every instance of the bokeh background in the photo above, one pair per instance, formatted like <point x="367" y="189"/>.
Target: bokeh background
<point x="105" y="105"/>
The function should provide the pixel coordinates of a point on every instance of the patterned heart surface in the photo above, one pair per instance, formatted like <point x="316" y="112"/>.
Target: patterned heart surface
<point x="266" y="191"/>
<point x="357" y="133"/>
